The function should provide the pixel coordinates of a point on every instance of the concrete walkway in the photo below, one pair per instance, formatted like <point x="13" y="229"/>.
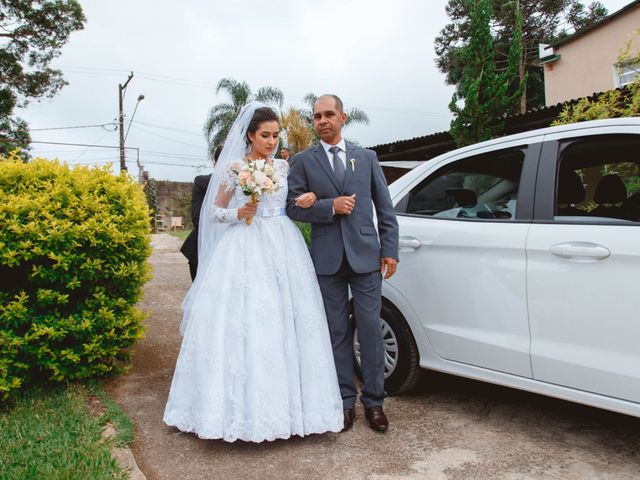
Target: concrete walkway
<point x="449" y="428"/>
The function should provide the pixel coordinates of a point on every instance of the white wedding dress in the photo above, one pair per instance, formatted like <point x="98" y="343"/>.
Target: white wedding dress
<point x="256" y="361"/>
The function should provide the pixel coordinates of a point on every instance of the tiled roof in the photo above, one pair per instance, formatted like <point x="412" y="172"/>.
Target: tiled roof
<point x="440" y="142"/>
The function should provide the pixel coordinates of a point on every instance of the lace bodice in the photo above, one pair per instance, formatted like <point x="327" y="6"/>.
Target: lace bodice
<point x="230" y="196"/>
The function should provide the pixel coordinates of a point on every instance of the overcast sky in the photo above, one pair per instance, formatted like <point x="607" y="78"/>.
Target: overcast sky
<point x="377" y="55"/>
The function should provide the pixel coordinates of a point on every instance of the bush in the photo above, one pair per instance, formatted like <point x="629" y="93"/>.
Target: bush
<point x="73" y="258"/>
<point x="305" y="229"/>
<point x="624" y="102"/>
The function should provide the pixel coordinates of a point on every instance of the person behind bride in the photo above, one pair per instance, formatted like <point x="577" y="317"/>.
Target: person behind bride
<point x="256" y="361"/>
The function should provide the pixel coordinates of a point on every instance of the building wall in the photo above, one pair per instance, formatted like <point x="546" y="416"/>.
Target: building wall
<point x="174" y="200"/>
<point x="586" y="64"/>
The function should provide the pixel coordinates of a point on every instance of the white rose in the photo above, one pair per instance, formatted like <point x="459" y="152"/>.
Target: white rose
<point x="260" y="177"/>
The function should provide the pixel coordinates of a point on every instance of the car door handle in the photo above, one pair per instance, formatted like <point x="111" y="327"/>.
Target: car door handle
<point x="580" y="249"/>
<point x="409" y="243"/>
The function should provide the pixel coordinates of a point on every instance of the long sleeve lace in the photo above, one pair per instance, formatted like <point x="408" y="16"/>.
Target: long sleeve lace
<point x="219" y="211"/>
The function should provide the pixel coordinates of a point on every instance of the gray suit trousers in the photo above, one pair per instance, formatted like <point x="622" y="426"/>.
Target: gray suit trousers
<point x="366" y="292"/>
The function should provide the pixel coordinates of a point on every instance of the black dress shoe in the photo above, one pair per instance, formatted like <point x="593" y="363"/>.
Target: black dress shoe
<point x="349" y="415"/>
<point x="377" y="419"/>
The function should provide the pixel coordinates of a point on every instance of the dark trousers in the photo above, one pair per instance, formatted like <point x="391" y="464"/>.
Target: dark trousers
<point x="366" y="289"/>
<point x="193" y="269"/>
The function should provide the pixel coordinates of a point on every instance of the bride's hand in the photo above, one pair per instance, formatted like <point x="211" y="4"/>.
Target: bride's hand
<point x="306" y="200"/>
<point x="248" y="210"/>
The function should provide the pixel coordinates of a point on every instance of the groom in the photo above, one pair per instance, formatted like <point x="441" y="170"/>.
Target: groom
<point x="347" y="251"/>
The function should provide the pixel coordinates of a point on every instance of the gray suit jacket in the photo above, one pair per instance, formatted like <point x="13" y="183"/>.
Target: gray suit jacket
<point x="334" y="236"/>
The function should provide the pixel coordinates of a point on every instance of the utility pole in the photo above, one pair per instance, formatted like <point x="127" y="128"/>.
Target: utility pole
<point x="121" y="89"/>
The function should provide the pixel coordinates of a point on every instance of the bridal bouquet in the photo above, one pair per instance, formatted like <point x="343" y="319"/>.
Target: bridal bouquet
<point x="257" y="177"/>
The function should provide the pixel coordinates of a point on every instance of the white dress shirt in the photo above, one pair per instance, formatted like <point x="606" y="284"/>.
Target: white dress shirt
<point x="342" y="154"/>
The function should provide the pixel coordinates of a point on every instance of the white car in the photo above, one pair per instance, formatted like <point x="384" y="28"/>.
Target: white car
<point x="518" y="263"/>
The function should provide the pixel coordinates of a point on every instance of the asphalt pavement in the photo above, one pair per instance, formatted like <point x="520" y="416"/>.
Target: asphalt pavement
<point x="448" y="428"/>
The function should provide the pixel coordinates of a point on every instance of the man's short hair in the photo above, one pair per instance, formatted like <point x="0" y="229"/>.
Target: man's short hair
<point x="339" y="104"/>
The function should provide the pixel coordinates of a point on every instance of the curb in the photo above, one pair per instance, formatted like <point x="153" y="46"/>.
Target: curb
<point x="124" y="456"/>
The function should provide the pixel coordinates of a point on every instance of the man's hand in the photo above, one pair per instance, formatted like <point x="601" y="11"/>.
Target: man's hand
<point x="390" y="264"/>
<point x="344" y="205"/>
<point x="306" y="200"/>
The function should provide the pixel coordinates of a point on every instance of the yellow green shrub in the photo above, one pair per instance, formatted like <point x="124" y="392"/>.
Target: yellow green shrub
<point x="74" y="245"/>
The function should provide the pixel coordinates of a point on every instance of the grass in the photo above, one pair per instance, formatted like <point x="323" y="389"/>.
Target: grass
<point x="180" y="233"/>
<point x="114" y="415"/>
<point x="50" y="434"/>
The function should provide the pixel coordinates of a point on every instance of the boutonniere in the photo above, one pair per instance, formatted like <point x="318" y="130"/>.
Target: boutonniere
<point x="353" y="165"/>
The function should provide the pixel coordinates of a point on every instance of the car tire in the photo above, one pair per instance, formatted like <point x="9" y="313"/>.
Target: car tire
<point x="405" y="360"/>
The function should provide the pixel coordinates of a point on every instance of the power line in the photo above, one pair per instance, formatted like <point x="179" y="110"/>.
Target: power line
<point x="188" y="132"/>
<point x="95" y="142"/>
<point x="185" y="156"/>
<point x="82" y="145"/>
<point x="197" y="125"/>
<point x="149" y="162"/>
<point x="200" y="84"/>
<point x="102" y="125"/>
<point x="167" y="138"/>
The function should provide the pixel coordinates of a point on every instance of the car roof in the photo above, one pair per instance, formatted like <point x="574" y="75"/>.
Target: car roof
<point x="609" y="122"/>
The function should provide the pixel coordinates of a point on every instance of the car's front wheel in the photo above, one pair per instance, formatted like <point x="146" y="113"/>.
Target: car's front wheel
<point x="401" y="357"/>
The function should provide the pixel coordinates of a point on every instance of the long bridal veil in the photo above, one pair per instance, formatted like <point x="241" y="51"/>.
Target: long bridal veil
<point x="235" y="149"/>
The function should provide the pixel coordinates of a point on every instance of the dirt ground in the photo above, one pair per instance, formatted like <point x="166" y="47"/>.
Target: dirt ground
<point x="449" y="428"/>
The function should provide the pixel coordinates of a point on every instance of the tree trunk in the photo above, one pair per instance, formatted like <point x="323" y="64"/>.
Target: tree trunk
<point x="522" y="70"/>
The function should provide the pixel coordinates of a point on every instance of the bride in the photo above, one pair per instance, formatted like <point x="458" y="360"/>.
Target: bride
<point x="256" y="361"/>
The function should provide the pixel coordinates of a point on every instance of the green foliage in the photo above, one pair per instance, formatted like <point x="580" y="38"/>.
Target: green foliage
<point x="73" y="258"/>
<point x="32" y="33"/>
<point x="14" y="134"/>
<point x="305" y="229"/>
<point x="49" y="434"/>
<point x="150" y="188"/>
<point x="610" y="104"/>
<point x="543" y="21"/>
<point x="182" y="234"/>
<point x="485" y="92"/>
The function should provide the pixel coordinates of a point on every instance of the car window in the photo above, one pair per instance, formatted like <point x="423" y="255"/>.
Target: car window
<point x="598" y="180"/>
<point x="482" y="187"/>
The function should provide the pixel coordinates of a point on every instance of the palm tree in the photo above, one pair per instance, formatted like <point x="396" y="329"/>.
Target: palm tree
<point x="354" y="115"/>
<point x="299" y="134"/>
<point x="222" y="115"/>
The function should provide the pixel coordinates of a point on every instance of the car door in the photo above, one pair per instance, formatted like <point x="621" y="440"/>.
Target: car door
<point x="463" y="225"/>
<point x="584" y="260"/>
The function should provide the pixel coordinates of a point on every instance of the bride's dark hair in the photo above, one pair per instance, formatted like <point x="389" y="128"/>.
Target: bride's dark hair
<point x="261" y="115"/>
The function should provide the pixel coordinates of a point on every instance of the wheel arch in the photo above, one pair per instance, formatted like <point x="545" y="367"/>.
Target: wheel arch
<point x="394" y="299"/>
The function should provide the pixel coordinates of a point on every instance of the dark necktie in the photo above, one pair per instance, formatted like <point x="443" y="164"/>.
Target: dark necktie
<point x="338" y="166"/>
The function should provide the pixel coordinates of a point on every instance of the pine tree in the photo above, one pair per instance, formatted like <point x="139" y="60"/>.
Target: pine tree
<point x="485" y="94"/>
<point x="543" y="21"/>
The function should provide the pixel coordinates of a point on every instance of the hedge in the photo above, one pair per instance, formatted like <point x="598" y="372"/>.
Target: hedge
<point x="74" y="245"/>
